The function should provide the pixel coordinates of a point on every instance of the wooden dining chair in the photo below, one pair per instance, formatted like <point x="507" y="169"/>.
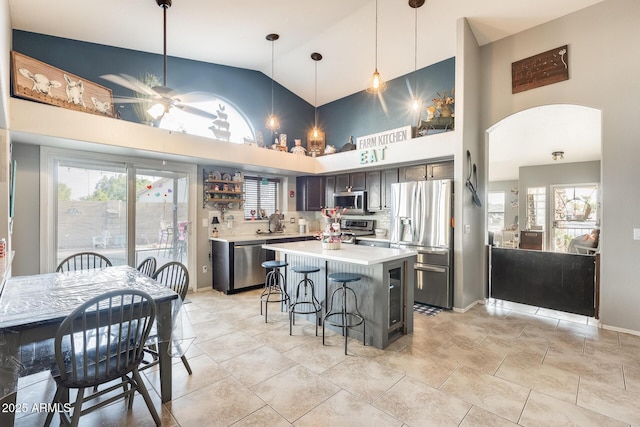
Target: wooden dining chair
<point x="148" y="266"/>
<point x="99" y="342"/>
<point x="173" y="275"/>
<point x="83" y="261"/>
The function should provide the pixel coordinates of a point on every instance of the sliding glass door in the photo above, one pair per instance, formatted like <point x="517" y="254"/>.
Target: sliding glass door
<point x="126" y="209"/>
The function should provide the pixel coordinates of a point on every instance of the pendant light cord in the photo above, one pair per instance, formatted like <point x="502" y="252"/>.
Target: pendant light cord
<point x="315" y="99"/>
<point x="164" y="29"/>
<point x="415" y="55"/>
<point x="376" y="38"/>
<point x="272" y="59"/>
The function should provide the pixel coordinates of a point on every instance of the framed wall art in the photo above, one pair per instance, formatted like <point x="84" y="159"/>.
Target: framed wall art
<point x="36" y="81"/>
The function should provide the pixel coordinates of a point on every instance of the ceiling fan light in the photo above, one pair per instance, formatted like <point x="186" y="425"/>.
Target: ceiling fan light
<point x="156" y="111"/>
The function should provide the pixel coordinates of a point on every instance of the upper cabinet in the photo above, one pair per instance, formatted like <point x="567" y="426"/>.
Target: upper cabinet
<point x="310" y="193"/>
<point x="439" y="170"/>
<point x="351" y="182"/>
<point x="329" y="189"/>
<point x="379" y="189"/>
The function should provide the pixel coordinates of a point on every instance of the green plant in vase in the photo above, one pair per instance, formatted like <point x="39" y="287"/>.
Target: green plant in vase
<point x="140" y="108"/>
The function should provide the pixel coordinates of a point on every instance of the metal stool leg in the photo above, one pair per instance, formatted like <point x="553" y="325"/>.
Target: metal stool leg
<point x="345" y="316"/>
<point x="313" y="301"/>
<point x="275" y="284"/>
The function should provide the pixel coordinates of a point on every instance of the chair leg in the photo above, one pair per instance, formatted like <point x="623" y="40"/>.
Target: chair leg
<point x="145" y="395"/>
<point x="50" y="414"/>
<point x="77" y="408"/>
<point x="185" y="362"/>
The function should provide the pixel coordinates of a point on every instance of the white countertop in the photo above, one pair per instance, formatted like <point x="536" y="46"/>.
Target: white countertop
<point x="354" y="254"/>
<point x="241" y="238"/>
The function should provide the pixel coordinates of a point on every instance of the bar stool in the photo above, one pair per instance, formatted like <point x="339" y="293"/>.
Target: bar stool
<point x="307" y="304"/>
<point x="275" y="286"/>
<point x="347" y="319"/>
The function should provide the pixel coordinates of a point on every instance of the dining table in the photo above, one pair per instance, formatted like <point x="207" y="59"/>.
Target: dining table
<point x="33" y="307"/>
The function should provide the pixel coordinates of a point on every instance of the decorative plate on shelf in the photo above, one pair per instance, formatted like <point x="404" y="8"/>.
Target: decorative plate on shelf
<point x="226" y="177"/>
<point x="215" y="175"/>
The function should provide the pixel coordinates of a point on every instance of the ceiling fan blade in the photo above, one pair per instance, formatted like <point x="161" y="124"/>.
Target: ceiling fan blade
<point x="195" y="97"/>
<point x="193" y="110"/>
<point x="126" y="100"/>
<point x="131" y="83"/>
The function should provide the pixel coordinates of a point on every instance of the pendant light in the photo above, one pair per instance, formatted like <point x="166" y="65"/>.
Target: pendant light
<point x="316" y="57"/>
<point x="272" y="120"/>
<point x="377" y="85"/>
<point x="417" y="102"/>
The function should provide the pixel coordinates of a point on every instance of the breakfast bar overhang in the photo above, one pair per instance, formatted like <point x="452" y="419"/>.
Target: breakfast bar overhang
<point x="385" y="292"/>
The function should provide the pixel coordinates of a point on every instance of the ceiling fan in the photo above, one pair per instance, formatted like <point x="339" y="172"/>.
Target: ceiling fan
<point x="160" y="98"/>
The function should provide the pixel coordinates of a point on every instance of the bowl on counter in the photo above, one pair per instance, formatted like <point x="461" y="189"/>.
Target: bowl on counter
<point x="380" y="232"/>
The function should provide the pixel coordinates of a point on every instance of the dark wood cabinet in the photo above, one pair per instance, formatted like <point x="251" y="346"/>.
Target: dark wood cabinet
<point x="374" y="191"/>
<point x="389" y="176"/>
<point x="413" y="173"/>
<point x="440" y="170"/>
<point x="310" y="193"/>
<point x="351" y="181"/>
<point x="379" y="189"/>
<point x="329" y="189"/>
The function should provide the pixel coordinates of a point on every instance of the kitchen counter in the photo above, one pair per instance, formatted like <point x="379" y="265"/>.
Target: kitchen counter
<point x="352" y="254"/>
<point x="244" y="238"/>
<point x="385" y="292"/>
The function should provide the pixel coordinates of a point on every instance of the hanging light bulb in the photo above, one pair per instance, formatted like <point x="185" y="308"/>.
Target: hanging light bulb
<point x="272" y="120"/>
<point x="316" y="57"/>
<point x="417" y="102"/>
<point x="377" y="85"/>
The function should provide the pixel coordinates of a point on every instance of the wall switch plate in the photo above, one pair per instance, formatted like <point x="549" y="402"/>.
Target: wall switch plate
<point x="636" y="234"/>
<point x="205" y="269"/>
<point x="467" y="228"/>
<point x="205" y="222"/>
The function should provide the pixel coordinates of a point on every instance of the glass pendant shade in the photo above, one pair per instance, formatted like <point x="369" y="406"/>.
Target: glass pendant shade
<point x="376" y="85"/>
<point x="272" y="120"/>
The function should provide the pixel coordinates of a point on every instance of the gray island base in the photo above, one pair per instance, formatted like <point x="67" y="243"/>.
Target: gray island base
<point x="385" y="293"/>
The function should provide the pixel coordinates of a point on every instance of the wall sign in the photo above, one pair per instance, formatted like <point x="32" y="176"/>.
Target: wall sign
<point x="540" y="70"/>
<point x="373" y="146"/>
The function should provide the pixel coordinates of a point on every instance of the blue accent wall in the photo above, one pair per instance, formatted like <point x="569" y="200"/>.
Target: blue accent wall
<point x="364" y="113"/>
<point x="250" y="91"/>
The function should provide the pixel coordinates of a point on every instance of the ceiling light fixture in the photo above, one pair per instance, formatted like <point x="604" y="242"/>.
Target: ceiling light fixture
<point x="557" y="155"/>
<point x="316" y="57"/>
<point x="377" y="85"/>
<point x="159" y="109"/>
<point x="415" y="4"/>
<point x="272" y="120"/>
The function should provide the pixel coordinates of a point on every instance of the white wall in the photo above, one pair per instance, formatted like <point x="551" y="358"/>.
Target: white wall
<point x="5" y="74"/>
<point x="603" y="74"/>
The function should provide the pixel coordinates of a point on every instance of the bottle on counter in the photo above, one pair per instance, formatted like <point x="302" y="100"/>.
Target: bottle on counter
<point x="3" y="248"/>
<point x="215" y="232"/>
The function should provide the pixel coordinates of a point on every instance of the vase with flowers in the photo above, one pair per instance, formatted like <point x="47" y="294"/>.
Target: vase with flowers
<point x="331" y="237"/>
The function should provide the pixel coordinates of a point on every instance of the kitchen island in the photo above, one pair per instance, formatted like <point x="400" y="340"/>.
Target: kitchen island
<point x="385" y="293"/>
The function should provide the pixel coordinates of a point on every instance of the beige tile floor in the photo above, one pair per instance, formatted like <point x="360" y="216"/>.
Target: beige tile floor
<point x="498" y="364"/>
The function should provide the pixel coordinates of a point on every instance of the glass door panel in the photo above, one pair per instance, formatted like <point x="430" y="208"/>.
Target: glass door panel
<point x="161" y="211"/>
<point x="91" y="207"/>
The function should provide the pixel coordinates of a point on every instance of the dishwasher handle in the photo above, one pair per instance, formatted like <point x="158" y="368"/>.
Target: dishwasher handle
<point x="431" y="268"/>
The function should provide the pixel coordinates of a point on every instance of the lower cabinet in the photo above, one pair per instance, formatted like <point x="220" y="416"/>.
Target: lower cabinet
<point x="237" y="266"/>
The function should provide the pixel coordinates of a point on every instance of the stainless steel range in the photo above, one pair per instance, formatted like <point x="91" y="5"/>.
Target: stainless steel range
<point x="352" y="228"/>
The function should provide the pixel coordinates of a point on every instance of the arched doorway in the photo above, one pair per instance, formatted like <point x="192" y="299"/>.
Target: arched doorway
<point x="536" y="157"/>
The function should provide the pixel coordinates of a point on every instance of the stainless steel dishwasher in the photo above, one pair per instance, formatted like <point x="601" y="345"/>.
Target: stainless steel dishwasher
<point x="247" y="264"/>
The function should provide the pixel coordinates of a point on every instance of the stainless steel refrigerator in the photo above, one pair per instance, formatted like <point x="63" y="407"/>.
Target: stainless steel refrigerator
<point x="421" y="219"/>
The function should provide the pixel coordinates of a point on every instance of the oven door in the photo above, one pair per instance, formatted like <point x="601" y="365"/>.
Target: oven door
<point x="433" y="285"/>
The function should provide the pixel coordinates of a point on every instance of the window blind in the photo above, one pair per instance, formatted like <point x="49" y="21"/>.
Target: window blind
<point x="260" y="193"/>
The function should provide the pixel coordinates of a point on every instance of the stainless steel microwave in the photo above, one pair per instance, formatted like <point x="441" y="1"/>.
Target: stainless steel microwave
<point x="354" y="202"/>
